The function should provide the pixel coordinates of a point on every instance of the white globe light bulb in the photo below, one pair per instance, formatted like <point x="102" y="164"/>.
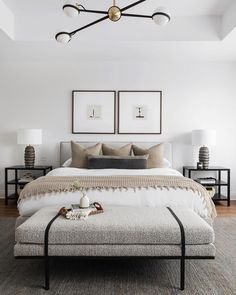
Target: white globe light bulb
<point x="71" y="10"/>
<point x="160" y="16"/>
<point x="63" y="37"/>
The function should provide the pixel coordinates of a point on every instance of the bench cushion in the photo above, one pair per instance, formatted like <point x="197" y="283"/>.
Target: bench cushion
<point x="117" y="226"/>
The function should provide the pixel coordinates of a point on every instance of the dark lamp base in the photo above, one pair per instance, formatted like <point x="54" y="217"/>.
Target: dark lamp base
<point x="204" y="157"/>
<point x="29" y="156"/>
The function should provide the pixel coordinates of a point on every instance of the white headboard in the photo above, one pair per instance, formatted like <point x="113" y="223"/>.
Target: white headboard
<point x="65" y="148"/>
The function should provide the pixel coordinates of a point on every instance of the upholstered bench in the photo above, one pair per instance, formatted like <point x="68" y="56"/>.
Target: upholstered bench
<point x="121" y="232"/>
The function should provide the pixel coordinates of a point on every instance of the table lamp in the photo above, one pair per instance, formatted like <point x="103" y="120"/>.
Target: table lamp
<point x="204" y="138"/>
<point x="29" y="137"/>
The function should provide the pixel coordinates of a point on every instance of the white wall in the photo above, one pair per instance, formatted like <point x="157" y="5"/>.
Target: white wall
<point x="7" y="20"/>
<point x="197" y="95"/>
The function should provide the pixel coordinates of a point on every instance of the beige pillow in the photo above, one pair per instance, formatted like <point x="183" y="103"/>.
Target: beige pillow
<point x="156" y="155"/>
<point x="123" y="151"/>
<point x="80" y="154"/>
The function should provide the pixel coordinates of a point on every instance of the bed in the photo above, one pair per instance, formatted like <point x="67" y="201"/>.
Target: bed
<point x="141" y="197"/>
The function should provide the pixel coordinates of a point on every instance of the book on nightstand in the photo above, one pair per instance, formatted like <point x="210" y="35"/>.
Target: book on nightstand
<point x="206" y="180"/>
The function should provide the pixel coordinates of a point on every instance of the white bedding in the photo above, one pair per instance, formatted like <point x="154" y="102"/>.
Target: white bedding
<point x="144" y="197"/>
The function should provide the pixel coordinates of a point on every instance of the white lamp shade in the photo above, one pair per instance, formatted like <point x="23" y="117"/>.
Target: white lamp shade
<point x="204" y="137"/>
<point x="161" y="19"/>
<point x="71" y="10"/>
<point x="63" y="37"/>
<point x="29" y="136"/>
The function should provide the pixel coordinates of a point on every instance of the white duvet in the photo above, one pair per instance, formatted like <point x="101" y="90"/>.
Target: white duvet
<point x="139" y="198"/>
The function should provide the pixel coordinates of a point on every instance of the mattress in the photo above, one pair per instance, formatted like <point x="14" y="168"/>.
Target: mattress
<point x="139" y="198"/>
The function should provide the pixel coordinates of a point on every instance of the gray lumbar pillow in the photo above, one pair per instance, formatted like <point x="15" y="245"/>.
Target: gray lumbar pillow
<point x="117" y="162"/>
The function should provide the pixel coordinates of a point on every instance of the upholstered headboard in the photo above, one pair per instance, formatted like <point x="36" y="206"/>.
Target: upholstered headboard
<point x="65" y="148"/>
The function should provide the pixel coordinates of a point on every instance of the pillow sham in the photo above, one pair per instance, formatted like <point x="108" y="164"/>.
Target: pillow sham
<point x="155" y="159"/>
<point x="67" y="163"/>
<point x="117" y="162"/>
<point x="123" y="151"/>
<point x="80" y="154"/>
<point x="166" y="163"/>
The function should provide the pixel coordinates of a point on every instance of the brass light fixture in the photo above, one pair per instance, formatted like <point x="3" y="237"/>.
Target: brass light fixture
<point x="114" y="13"/>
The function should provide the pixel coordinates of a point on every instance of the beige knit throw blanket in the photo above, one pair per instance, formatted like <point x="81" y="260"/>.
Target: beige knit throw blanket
<point x="48" y="184"/>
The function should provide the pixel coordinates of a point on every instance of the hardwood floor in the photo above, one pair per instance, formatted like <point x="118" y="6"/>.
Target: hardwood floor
<point x="10" y="210"/>
<point x="222" y="209"/>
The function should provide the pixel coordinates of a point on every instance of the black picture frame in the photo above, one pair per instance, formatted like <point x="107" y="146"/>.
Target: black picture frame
<point x="159" y="96"/>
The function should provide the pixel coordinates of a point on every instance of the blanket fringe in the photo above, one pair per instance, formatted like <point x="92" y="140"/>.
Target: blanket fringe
<point x="58" y="184"/>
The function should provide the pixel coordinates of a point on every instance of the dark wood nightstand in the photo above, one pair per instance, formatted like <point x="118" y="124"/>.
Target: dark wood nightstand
<point x="219" y="182"/>
<point x="16" y="181"/>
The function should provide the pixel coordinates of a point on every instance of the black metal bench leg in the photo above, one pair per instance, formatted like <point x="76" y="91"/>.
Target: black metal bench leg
<point x="46" y="257"/>
<point x="47" y="272"/>
<point x="182" y="274"/>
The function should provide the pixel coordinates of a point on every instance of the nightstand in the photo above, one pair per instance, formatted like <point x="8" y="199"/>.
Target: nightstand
<point x="16" y="182"/>
<point x="190" y="170"/>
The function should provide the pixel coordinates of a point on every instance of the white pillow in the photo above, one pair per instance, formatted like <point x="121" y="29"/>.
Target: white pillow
<point x="166" y="164"/>
<point x="68" y="162"/>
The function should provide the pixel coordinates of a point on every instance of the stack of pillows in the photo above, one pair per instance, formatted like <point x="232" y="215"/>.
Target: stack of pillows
<point x="130" y="156"/>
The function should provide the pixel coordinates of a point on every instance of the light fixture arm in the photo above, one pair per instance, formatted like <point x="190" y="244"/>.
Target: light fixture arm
<point x="101" y="19"/>
<point x="132" y="5"/>
<point x="136" y="15"/>
<point x="89" y="25"/>
<point x="114" y="4"/>
<point x="93" y="11"/>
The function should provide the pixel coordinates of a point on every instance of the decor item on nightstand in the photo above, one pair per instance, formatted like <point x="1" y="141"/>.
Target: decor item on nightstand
<point x="204" y="138"/>
<point x="29" y="137"/>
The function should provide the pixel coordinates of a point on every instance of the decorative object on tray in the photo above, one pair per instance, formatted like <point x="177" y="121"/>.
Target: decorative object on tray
<point x="204" y="138"/>
<point x="29" y="136"/>
<point x="206" y="180"/>
<point x="93" y="112"/>
<point x="139" y="112"/>
<point x="84" y="202"/>
<point x="80" y="213"/>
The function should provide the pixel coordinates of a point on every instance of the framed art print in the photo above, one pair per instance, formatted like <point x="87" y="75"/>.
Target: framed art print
<point x="93" y="112"/>
<point x="139" y="112"/>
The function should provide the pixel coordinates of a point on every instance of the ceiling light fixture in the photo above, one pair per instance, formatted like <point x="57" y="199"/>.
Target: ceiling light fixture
<point x="160" y="17"/>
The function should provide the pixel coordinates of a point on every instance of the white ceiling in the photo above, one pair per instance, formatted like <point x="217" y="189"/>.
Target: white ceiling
<point x="177" y="7"/>
<point x="199" y="30"/>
